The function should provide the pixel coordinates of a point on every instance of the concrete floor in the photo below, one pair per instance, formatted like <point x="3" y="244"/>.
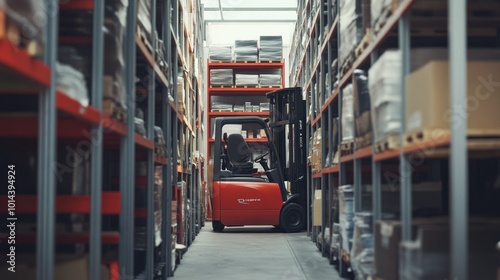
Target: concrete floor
<point x="253" y="253"/>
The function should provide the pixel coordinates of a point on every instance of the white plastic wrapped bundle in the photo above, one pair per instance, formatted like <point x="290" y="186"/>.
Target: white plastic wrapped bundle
<point x="347" y="114"/>
<point x="246" y="50"/>
<point x="377" y="9"/>
<point x="246" y="79"/>
<point x="385" y="94"/>
<point x="271" y="48"/>
<point x="72" y="83"/>
<point x="221" y="53"/>
<point x="29" y="15"/>
<point x="350" y="27"/>
<point x="346" y="216"/>
<point x="221" y="77"/>
<point x="362" y="245"/>
<point x="270" y="79"/>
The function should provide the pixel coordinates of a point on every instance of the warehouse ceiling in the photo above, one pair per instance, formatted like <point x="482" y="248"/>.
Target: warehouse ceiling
<point x="231" y="11"/>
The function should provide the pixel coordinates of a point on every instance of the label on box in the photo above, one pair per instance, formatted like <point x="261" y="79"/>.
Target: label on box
<point x="415" y="121"/>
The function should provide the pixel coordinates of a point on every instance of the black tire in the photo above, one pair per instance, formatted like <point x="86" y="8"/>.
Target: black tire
<point x="217" y="226"/>
<point x="292" y="218"/>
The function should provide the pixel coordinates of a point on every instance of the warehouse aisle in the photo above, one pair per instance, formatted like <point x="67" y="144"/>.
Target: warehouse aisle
<point x="253" y="253"/>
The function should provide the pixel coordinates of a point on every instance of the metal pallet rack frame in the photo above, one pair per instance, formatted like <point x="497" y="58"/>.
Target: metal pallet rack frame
<point x="61" y="120"/>
<point x="314" y="48"/>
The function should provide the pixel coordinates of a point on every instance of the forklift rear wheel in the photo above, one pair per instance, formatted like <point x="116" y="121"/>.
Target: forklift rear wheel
<point x="293" y="218"/>
<point x="217" y="226"/>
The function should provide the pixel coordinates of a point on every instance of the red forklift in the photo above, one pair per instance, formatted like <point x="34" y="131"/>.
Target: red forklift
<point x="278" y="196"/>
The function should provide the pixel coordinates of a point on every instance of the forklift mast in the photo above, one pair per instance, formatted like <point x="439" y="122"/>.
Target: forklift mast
<point x="288" y="121"/>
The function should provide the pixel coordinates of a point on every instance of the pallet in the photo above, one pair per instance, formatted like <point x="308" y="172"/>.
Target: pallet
<point x="245" y="61"/>
<point x="347" y="63"/>
<point x="260" y="86"/>
<point x="160" y="150"/>
<point x="346" y="257"/>
<point x="246" y="86"/>
<point x="384" y="16"/>
<point x="270" y="61"/>
<point x="389" y="143"/>
<point x="220" y="61"/>
<point x="20" y="38"/>
<point x="425" y="135"/>
<point x="363" y="44"/>
<point x="144" y="39"/>
<point x="227" y="86"/>
<point x="113" y="109"/>
<point x="363" y="141"/>
<point x="347" y="148"/>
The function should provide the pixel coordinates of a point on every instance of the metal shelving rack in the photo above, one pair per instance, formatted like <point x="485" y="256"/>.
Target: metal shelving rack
<point x="309" y="71"/>
<point x="61" y="119"/>
<point x="240" y="91"/>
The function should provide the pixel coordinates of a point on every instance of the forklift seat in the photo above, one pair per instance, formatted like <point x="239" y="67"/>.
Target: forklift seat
<point x="239" y="155"/>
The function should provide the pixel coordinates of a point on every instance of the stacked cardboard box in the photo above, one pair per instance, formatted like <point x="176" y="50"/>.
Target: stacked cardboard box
<point x="428" y="104"/>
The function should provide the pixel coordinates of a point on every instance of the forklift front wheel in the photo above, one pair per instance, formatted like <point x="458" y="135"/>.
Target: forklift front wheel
<point x="293" y="218"/>
<point x="217" y="226"/>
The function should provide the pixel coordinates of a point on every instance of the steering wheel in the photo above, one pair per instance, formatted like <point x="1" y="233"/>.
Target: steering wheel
<point x="261" y="157"/>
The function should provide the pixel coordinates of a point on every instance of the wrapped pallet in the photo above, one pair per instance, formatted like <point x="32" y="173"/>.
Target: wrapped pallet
<point x="385" y="95"/>
<point x="144" y="18"/>
<point x="246" y="50"/>
<point x="29" y="16"/>
<point x="351" y="29"/>
<point x="221" y="77"/>
<point x="271" y="48"/>
<point x="221" y="53"/>
<point x="362" y="252"/>
<point x="347" y="114"/>
<point x="114" y="60"/>
<point x="346" y="216"/>
<point x="270" y="79"/>
<point x="246" y="79"/>
<point x="362" y="114"/>
<point x="380" y="10"/>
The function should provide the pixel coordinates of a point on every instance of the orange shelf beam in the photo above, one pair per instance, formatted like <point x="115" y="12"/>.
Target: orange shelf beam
<point x="18" y="61"/>
<point x="332" y="169"/>
<point x="112" y="238"/>
<point x="144" y="142"/>
<point x="248" y="140"/>
<point x="218" y="91"/>
<point x="245" y="65"/>
<point x="67" y="204"/>
<point x="77" y="5"/>
<point x="317" y="175"/>
<point x="364" y="152"/>
<point x="72" y="107"/>
<point x="160" y="160"/>
<point x="238" y="114"/>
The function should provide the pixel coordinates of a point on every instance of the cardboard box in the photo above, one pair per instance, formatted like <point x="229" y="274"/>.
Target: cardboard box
<point x="386" y="244"/>
<point x="428" y="256"/>
<point x="66" y="266"/>
<point x="317" y="206"/>
<point x="428" y="98"/>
